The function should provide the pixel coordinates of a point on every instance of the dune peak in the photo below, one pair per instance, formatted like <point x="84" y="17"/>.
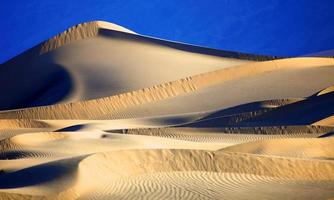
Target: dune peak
<point x="79" y="32"/>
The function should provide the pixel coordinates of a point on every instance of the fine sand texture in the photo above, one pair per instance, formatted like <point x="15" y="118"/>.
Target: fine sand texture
<point x="102" y="112"/>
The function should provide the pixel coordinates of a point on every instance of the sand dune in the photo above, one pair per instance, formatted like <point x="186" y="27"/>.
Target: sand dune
<point x="264" y="76"/>
<point x="315" y="148"/>
<point x="65" y="73"/>
<point x="101" y="112"/>
<point x="150" y="173"/>
<point x="204" y="168"/>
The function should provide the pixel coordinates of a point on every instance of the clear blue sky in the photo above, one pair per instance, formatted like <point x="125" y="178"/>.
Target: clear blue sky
<point x="273" y="27"/>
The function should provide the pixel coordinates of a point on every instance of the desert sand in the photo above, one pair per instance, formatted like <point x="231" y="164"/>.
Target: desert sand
<point x="101" y="112"/>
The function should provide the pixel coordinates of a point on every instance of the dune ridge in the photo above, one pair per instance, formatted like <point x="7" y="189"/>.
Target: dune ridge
<point x="88" y="109"/>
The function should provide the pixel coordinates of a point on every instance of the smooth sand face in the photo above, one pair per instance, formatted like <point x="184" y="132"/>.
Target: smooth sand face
<point x="110" y="114"/>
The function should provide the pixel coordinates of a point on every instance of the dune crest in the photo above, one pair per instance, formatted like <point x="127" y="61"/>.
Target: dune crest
<point x="79" y="32"/>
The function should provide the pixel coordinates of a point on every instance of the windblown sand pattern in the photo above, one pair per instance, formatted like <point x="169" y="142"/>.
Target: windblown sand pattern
<point x="110" y="114"/>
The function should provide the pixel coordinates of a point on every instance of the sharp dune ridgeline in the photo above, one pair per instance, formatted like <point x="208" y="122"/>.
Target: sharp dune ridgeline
<point x="101" y="112"/>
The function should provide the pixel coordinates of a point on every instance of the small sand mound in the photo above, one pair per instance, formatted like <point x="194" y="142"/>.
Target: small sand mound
<point x="37" y="138"/>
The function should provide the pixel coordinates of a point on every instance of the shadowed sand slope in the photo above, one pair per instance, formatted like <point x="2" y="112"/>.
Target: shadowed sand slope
<point x="101" y="112"/>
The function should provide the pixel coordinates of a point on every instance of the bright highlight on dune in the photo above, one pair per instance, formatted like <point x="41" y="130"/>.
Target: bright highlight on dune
<point x="100" y="112"/>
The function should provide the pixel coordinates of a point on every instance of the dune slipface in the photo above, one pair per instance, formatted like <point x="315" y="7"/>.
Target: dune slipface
<point x="100" y="112"/>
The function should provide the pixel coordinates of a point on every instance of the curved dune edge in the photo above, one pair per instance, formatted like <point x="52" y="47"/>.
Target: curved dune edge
<point x="329" y="121"/>
<point x="37" y="138"/>
<point x="314" y="148"/>
<point x="308" y="111"/>
<point x="234" y="115"/>
<point x="90" y="110"/>
<point x="22" y="123"/>
<point x="326" y="90"/>
<point x="91" y="29"/>
<point x="241" y="135"/>
<point x="312" y="110"/>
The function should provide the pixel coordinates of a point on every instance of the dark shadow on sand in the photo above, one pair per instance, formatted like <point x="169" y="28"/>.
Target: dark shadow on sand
<point x="304" y="112"/>
<point x="38" y="174"/>
<point x="28" y="83"/>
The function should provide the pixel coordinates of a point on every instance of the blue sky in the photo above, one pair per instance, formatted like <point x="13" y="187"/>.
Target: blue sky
<point x="272" y="27"/>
